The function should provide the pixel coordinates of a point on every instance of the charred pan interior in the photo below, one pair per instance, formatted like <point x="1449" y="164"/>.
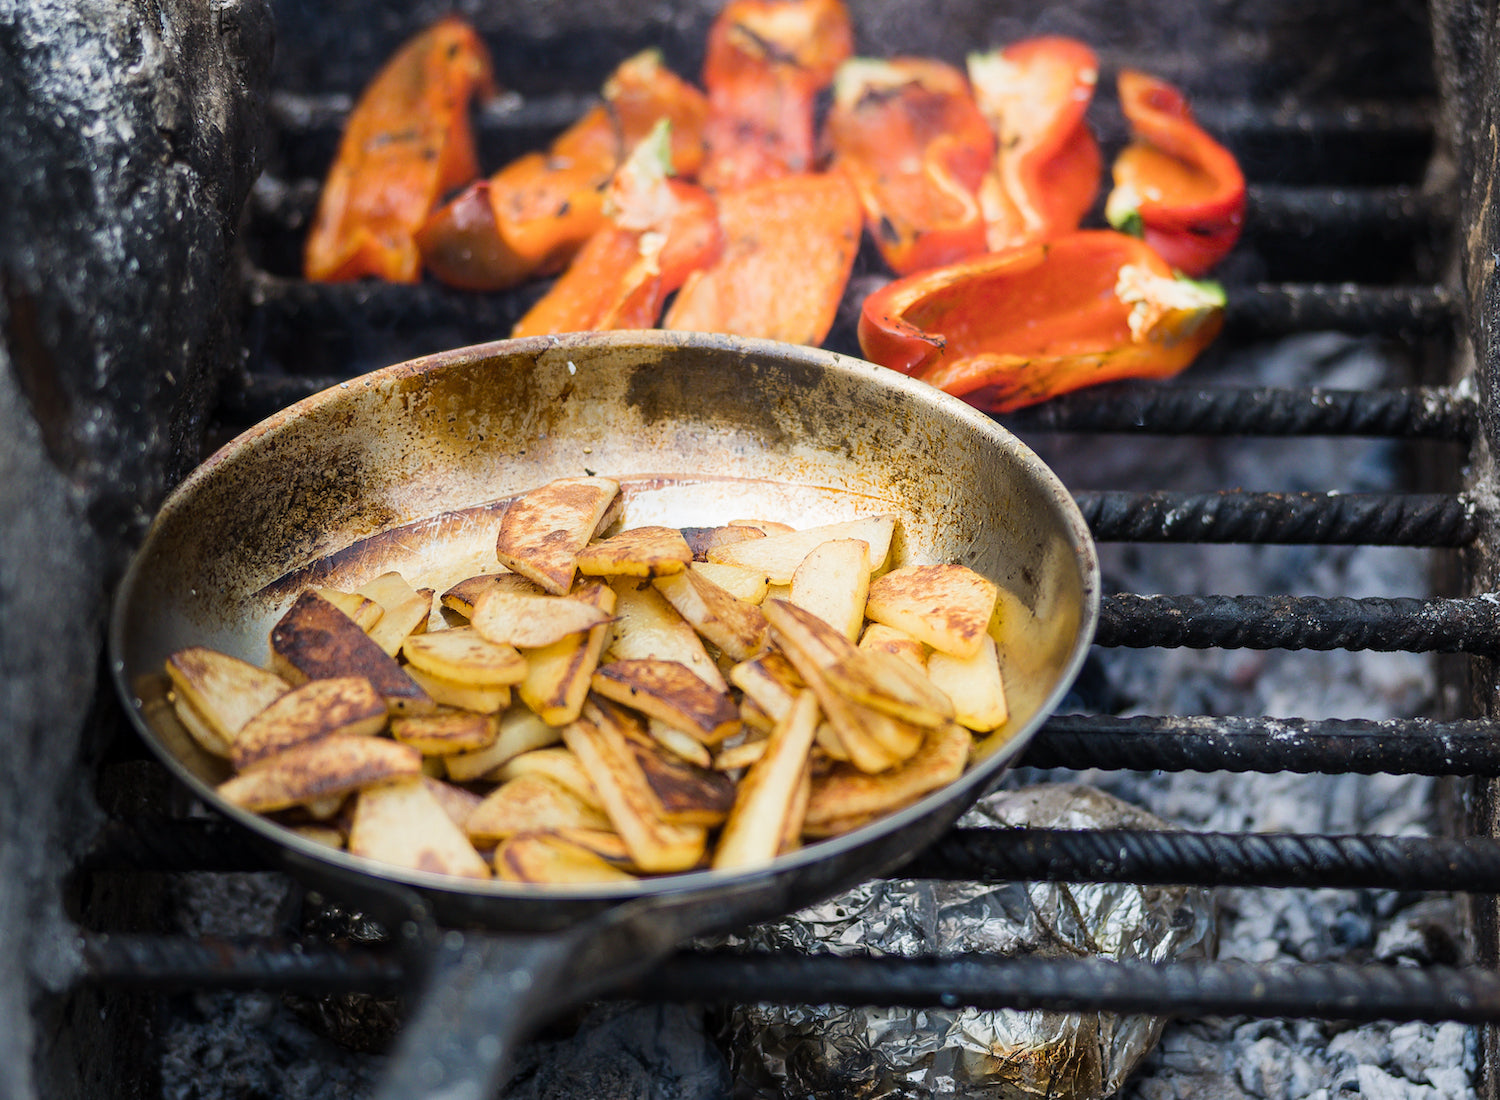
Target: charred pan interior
<point x="149" y="242"/>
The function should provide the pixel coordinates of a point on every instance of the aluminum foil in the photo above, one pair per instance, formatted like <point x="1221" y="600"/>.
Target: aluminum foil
<point x="829" y="1050"/>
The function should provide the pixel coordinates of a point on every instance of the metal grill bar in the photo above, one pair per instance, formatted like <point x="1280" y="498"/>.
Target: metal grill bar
<point x="1305" y="212"/>
<point x="1469" y="625"/>
<point x="1331" y="991"/>
<point x="1281" y="309"/>
<point x="1415" y="746"/>
<point x="1418" y="413"/>
<point x="179" y="962"/>
<point x="1378" y="519"/>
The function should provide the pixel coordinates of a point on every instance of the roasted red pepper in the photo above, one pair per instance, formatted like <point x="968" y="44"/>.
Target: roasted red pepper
<point x="1012" y="328"/>
<point x="1173" y="183"/>
<point x="789" y="246"/>
<point x="543" y="206"/>
<point x="659" y="231"/>
<point x="1047" y="164"/>
<point x="407" y="141"/>
<point x="767" y="61"/>
<point x="910" y="136"/>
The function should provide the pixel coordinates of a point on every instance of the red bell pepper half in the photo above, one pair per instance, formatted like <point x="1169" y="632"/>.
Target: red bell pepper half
<point x="1008" y="329"/>
<point x="911" y="138"/>
<point x="1047" y="164"/>
<point x="407" y="141"/>
<point x="1174" y="184"/>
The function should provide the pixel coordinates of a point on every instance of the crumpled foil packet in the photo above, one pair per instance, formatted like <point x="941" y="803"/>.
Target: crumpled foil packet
<point x="935" y="1053"/>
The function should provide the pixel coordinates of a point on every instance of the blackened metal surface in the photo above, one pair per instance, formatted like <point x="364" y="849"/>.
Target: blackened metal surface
<point x="1466" y="625"/>
<point x="1375" y="519"/>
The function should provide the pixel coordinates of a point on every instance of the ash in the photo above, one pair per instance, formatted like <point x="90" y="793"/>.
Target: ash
<point x="1234" y="1058"/>
<point x="254" y="1045"/>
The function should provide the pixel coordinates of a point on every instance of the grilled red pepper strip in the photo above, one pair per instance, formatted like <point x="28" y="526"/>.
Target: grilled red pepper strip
<point x="659" y="231"/>
<point x="1012" y="328"/>
<point x="789" y="246"/>
<point x="909" y="134"/>
<point x="1173" y="183"/>
<point x="766" y="62"/>
<point x="407" y="141"/>
<point x="543" y="206"/>
<point x="1047" y="165"/>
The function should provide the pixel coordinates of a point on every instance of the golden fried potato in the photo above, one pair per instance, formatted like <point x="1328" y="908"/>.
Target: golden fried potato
<point x="670" y="691"/>
<point x="347" y="705"/>
<point x="558" y="675"/>
<point x="529" y="620"/>
<point x="845" y="792"/>
<point x="403" y="824"/>
<point x="946" y="606"/>
<point x="446" y="731"/>
<point x="974" y="686"/>
<point x="544" y="529"/>
<point x="767" y="795"/>
<point x="736" y="627"/>
<point x="224" y="693"/>
<point x="521" y="730"/>
<point x="832" y="582"/>
<point x="330" y="766"/>
<point x="553" y="858"/>
<point x="777" y="556"/>
<point x="316" y="641"/>
<point x="464" y="655"/>
<point x="530" y="803"/>
<point x="407" y="610"/>
<point x="637" y="552"/>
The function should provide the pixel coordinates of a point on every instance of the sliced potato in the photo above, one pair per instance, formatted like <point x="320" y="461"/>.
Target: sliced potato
<point x="480" y="698"/>
<point x="739" y="582"/>
<point x="326" y="835"/>
<point x="767" y="526"/>
<point x="736" y="627"/>
<point x="558" y="675"/>
<point x="637" y="552"/>
<point x="199" y="729"/>
<point x="646" y="625"/>
<point x="876" y="679"/>
<point x="779" y="555"/>
<point x="365" y="612"/>
<point x="331" y="766"/>
<point x="767" y="794"/>
<point x="701" y="540"/>
<point x="684" y="793"/>
<point x="974" y="686"/>
<point x="832" y="582"/>
<point x="607" y="845"/>
<point x="769" y="681"/>
<point x="845" y="792"/>
<point x="553" y="858"/>
<point x="555" y="763"/>
<point x="654" y="845"/>
<point x="740" y="756"/>
<point x="446" y="731"/>
<point x="946" y="606"/>
<point x="347" y="705"/>
<point x="403" y="824"/>
<point x="670" y="691"/>
<point x="544" y="529"/>
<point x="521" y="730"/>
<point x="462" y="596"/>
<point x="456" y="802"/>
<point x="898" y="643"/>
<point x="530" y="620"/>
<point x="407" y="610"/>
<point x="530" y="803"/>
<point x="316" y="641"/>
<point x="463" y="654"/>
<point x="224" y="692"/>
<point x="680" y="743"/>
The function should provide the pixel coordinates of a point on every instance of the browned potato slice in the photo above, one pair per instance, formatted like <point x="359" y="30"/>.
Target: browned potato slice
<point x="946" y="606"/>
<point x="832" y="583"/>
<point x="331" y="766"/>
<point x="768" y="526"/>
<point x="755" y="718"/>
<point x="326" y="835"/>
<point x="555" y="763"/>
<point x="898" y="643"/>
<point x="605" y="844"/>
<point x="407" y="610"/>
<point x="456" y="802"/>
<point x="362" y="609"/>
<point x="779" y="555"/>
<point x="974" y="686"/>
<point x="767" y="794"/>
<point x="830" y="742"/>
<point x="740" y="756"/>
<point x="670" y="691"/>
<point x="654" y="845"/>
<point x="646" y="625"/>
<point x="463" y="595"/>
<point x="224" y="692"/>
<point x="846" y="792"/>
<point x="520" y="731"/>
<point x="319" y="708"/>
<point x="552" y="858"/>
<point x="739" y="582"/>
<point x="199" y="729"/>
<point x="465" y="655"/>
<point x="684" y="793"/>
<point x="403" y="824"/>
<point x="544" y="529"/>
<point x="768" y="680"/>
<point x="701" y="540"/>
<point x="480" y="698"/>
<point x="791" y="836"/>
<point x="736" y="627"/>
<point x="886" y="683"/>
<point x="315" y="641"/>
<point x="637" y="552"/>
<point x="557" y="676"/>
<point x="682" y="744"/>
<point x="447" y="731"/>
<point x="530" y="803"/>
<point x="531" y="620"/>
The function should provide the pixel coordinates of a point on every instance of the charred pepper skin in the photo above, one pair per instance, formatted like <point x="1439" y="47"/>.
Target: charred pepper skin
<point x="1009" y="329"/>
<point x="1174" y="184"/>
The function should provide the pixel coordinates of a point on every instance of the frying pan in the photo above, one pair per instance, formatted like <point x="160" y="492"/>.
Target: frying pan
<point x="407" y="468"/>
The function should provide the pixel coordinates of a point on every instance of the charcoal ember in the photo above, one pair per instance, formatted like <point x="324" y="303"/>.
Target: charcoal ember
<point x="935" y="1054"/>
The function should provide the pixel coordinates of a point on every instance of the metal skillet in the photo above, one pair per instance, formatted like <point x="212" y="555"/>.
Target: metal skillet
<point x="407" y="468"/>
